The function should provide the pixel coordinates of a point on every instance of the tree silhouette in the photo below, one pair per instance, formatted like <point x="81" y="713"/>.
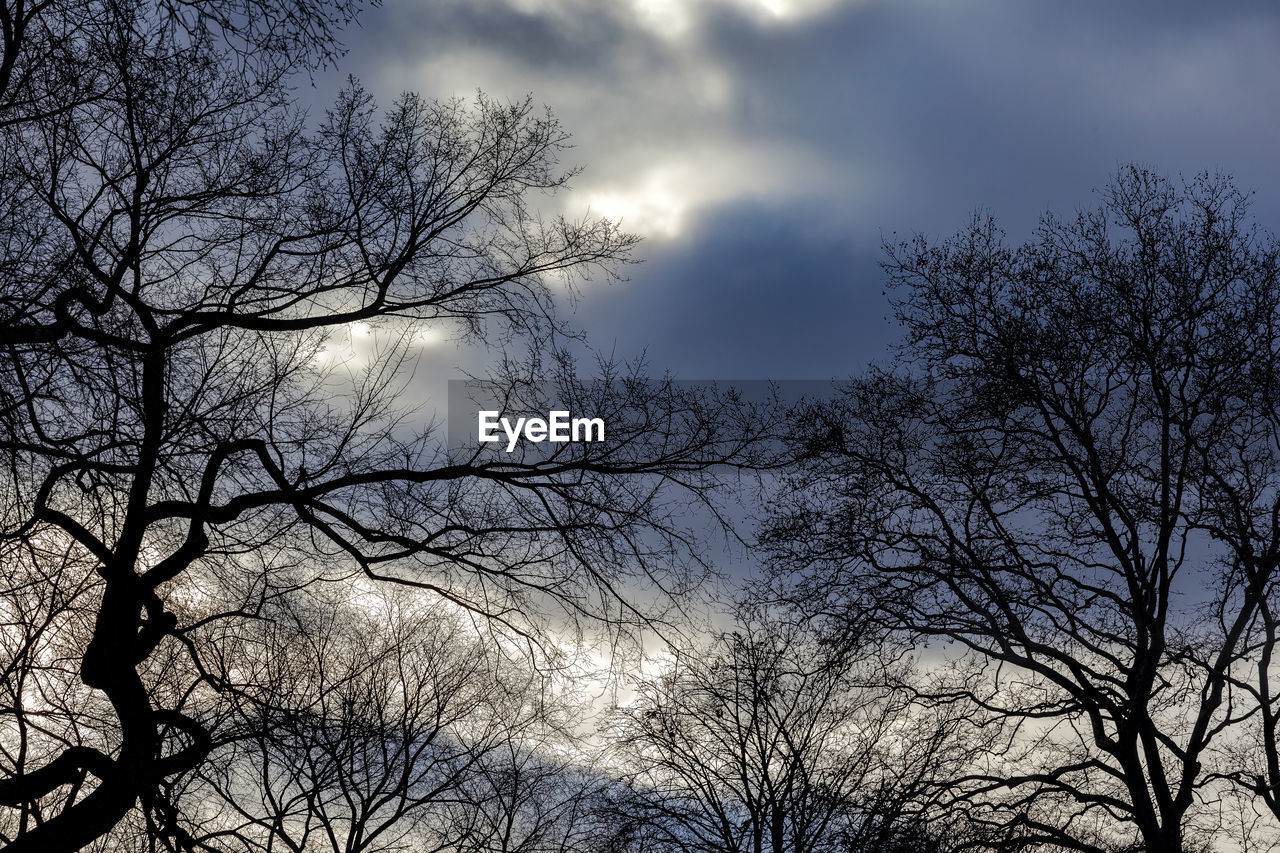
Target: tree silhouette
<point x="180" y="251"/>
<point x="771" y="740"/>
<point x="357" y="729"/>
<point x="1070" y="473"/>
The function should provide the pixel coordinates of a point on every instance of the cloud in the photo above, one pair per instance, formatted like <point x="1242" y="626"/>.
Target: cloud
<point x="654" y="109"/>
<point x="705" y="123"/>
<point x="660" y="198"/>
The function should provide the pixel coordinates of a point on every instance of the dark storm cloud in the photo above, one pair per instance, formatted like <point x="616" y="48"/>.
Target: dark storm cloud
<point x="1013" y="106"/>
<point x="404" y="31"/>
<point x="764" y="146"/>
<point x="791" y="302"/>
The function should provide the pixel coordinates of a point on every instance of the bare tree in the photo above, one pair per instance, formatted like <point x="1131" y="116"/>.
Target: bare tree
<point x="1069" y="472"/>
<point x="772" y="741"/>
<point x="538" y="795"/>
<point x="360" y="729"/>
<point x="50" y="50"/>
<point x="178" y="250"/>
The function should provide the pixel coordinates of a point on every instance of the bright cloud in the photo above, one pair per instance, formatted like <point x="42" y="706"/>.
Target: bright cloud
<point x="661" y="199"/>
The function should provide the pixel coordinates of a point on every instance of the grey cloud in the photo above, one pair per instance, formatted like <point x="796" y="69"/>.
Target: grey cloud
<point x="766" y="156"/>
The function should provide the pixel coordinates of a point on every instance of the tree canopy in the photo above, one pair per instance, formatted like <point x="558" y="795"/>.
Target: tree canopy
<point x="1070" y="473"/>
<point x="179" y="246"/>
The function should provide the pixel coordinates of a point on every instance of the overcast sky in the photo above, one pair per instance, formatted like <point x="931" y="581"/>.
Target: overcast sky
<point x="763" y="147"/>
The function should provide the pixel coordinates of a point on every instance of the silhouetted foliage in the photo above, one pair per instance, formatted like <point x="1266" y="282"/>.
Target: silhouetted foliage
<point x="1069" y="474"/>
<point x="252" y="601"/>
<point x="390" y="725"/>
<point x="180" y="252"/>
<point x="770" y="740"/>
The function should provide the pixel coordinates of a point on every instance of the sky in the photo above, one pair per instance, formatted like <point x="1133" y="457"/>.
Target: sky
<point x="764" y="149"/>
